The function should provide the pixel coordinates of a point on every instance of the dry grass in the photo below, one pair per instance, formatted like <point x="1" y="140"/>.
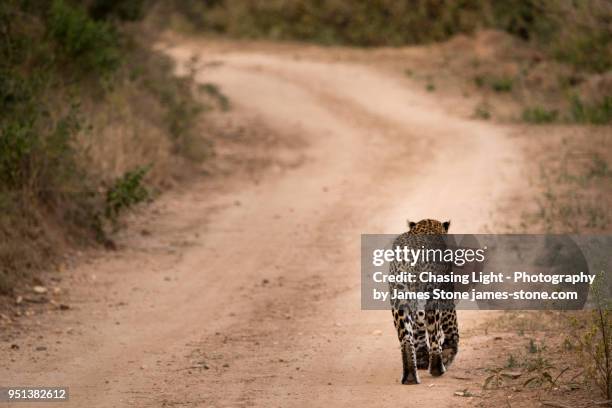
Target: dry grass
<point x="571" y="187"/>
<point x="537" y="362"/>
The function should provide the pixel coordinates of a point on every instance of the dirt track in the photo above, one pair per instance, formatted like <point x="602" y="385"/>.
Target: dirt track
<point x="247" y="294"/>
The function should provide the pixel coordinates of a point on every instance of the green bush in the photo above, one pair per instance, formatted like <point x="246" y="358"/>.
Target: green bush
<point x="527" y="19"/>
<point x="539" y="115"/>
<point x="574" y="32"/>
<point x="584" y="34"/>
<point x="36" y="156"/>
<point x="93" y="45"/>
<point x="502" y="84"/>
<point x="479" y="80"/>
<point x="598" y="113"/>
<point x="213" y="91"/>
<point x="588" y="51"/>
<point x="58" y="154"/>
<point x="17" y="141"/>
<point x="126" y="191"/>
<point x="182" y="113"/>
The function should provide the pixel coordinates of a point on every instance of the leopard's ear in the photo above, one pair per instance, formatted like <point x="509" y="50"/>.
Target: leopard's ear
<point x="411" y="224"/>
<point x="446" y="225"/>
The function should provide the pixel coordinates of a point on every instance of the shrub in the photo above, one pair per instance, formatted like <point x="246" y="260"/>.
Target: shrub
<point x="587" y="51"/>
<point x="126" y="191"/>
<point x="583" y="37"/>
<point x="213" y="91"/>
<point x="479" y="80"/>
<point x="182" y="112"/>
<point x="91" y="44"/>
<point x="17" y="142"/>
<point x="539" y="115"/>
<point x="36" y="157"/>
<point x="502" y="84"/>
<point x="527" y="19"/>
<point x="598" y="113"/>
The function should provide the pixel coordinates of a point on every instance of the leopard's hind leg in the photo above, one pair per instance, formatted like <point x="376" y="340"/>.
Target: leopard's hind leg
<point x="436" y="338"/>
<point x="421" y="341"/>
<point x="450" y="348"/>
<point x="404" y="325"/>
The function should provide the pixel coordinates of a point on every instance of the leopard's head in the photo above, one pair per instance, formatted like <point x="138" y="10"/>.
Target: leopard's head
<point x="428" y="226"/>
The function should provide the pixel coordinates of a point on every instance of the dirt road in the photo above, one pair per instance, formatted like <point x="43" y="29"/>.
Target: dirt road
<point x="246" y="292"/>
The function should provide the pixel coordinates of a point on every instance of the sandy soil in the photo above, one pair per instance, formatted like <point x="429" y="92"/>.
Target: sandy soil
<point x="245" y="291"/>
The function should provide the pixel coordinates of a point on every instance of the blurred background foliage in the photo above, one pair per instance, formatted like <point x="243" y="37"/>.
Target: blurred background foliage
<point x="85" y="105"/>
<point x="574" y="31"/>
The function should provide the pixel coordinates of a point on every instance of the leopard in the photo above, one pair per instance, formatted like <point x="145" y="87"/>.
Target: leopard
<point x="427" y="329"/>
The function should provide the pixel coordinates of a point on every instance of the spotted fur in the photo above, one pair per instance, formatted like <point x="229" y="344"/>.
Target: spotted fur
<point x="427" y="330"/>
